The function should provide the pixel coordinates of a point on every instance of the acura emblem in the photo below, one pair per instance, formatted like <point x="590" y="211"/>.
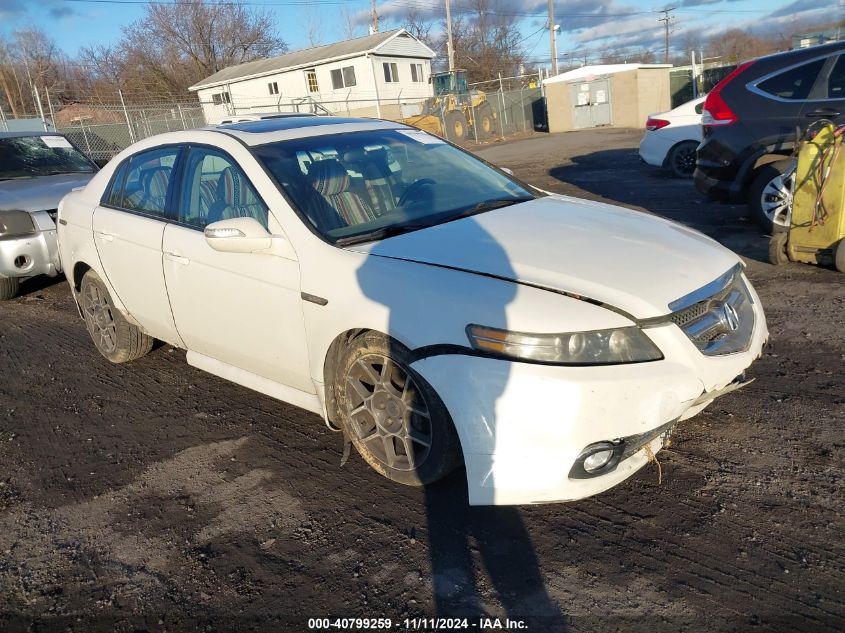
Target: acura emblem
<point x="730" y="317"/>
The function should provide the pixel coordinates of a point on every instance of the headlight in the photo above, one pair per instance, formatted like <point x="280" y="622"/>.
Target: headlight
<point x="15" y="224"/>
<point x="597" y="347"/>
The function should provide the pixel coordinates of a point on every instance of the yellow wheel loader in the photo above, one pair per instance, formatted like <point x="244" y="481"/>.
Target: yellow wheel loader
<point x="817" y="219"/>
<point x="455" y="112"/>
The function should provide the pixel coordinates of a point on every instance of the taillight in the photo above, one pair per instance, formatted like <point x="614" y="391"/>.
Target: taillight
<point x="655" y="124"/>
<point x="716" y="111"/>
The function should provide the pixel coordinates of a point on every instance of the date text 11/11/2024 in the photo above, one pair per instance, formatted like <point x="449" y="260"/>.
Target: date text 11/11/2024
<point x="421" y="625"/>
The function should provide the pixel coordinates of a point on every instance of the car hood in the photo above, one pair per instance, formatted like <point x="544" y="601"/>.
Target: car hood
<point x="630" y="260"/>
<point x="41" y="193"/>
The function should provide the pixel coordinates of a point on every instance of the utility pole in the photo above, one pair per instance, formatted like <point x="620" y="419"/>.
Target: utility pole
<point x="375" y="17"/>
<point x="450" y="47"/>
<point x="552" y="37"/>
<point x="666" y="19"/>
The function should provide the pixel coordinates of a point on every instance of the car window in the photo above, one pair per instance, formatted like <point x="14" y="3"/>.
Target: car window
<point x="216" y="188"/>
<point x="354" y="185"/>
<point x="836" y="81"/>
<point x="114" y="192"/>
<point x="795" y="83"/>
<point x="148" y="180"/>
<point x="24" y="157"/>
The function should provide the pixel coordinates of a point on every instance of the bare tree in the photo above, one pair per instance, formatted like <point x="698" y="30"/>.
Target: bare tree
<point x="175" y="45"/>
<point x="313" y="26"/>
<point x="487" y="40"/>
<point x="347" y="22"/>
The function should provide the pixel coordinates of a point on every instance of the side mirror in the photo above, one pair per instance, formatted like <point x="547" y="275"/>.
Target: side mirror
<point x="507" y="170"/>
<point x="246" y="235"/>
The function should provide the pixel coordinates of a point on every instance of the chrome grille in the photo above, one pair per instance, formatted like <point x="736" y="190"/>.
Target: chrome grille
<point x="723" y="322"/>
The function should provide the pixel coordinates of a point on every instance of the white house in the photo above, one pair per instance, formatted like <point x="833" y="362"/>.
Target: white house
<point x="366" y="76"/>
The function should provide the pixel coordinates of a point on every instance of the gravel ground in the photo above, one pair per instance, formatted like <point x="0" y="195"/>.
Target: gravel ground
<point x="152" y="496"/>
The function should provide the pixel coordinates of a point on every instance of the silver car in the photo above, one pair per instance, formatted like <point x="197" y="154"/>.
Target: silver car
<point x="37" y="169"/>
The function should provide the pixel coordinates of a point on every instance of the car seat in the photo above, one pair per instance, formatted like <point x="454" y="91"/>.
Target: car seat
<point x="331" y="181"/>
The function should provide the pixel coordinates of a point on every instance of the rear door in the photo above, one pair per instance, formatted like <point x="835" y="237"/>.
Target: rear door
<point x="773" y="121"/>
<point x="828" y="98"/>
<point x="128" y="232"/>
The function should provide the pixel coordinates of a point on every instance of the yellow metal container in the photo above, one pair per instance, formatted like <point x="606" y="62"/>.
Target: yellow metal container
<point x="817" y="226"/>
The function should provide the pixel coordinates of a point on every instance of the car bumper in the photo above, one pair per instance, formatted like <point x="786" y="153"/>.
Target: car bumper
<point x="522" y="425"/>
<point x="653" y="149"/>
<point x="31" y="255"/>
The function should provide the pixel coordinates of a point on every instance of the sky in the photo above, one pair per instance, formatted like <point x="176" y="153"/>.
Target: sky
<point x="593" y="24"/>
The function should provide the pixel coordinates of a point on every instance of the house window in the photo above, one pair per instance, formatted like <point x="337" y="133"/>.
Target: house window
<point x="219" y="98"/>
<point x="273" y="88"/>
<point x="391" y="74"/>
<point x="343" y="77"/>
<point x="311" y="78"/>
<point x="416" y="73"/>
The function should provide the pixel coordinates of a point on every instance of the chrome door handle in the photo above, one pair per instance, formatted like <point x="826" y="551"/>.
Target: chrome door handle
<point x="173" y="257"/>
<point x="106" y="237"/>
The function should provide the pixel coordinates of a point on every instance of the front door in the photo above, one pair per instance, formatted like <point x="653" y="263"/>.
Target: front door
<point x="244" y="309"/>
<point x="128" y="230"/>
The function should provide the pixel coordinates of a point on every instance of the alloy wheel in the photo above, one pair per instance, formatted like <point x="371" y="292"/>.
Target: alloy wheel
<point x="99" y="317"/>
<point x="684" y="161"/>
<point x="388" y="413"/>
<point x="776" y="199"/>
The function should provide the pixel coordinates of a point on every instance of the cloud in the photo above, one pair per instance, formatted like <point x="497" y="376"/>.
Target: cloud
<point x="61" y="12"/>
<point x="10" y="9"/>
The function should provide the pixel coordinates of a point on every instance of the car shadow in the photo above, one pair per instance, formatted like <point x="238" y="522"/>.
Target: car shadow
<point x="457" y="531"/>
<point x="618" y="176"/>
<point x="30" y="288"/>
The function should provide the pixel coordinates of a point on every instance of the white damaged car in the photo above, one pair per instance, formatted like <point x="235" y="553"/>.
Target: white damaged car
<point x="431" y="306"/>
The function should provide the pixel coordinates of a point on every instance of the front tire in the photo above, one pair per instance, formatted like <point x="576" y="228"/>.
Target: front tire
<point x="681" y="159"/>
<point x="770" y="196"/>
<point x="114" y="337"/>
<point x="456" y="126"/>
<point x="394" y="418"/>
<point x="9" y="287"/>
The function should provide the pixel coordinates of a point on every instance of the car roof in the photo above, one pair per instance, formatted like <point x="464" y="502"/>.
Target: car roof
<point x="259" y="116"/>
<point x="22" y="134"/>
<point x="271" y="130"/>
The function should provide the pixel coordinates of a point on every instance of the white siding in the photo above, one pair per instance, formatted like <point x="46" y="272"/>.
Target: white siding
<point x="404" y="46"/>
<point x="253" y="95"/>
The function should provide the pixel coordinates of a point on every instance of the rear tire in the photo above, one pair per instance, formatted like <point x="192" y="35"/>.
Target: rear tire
<point x="456" y="126"/>
<point x="839" y="256"/>
<point x="393" y="417"/>
<point x="114" y="337"/>
<point x="777" y="248"/>
<point x="9" y="287"/>
<point x="770" y="197"/>
<point x="681" y="159"/>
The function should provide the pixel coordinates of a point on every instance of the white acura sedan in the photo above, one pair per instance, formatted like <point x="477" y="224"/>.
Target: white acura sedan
<point x="431" y="306"/>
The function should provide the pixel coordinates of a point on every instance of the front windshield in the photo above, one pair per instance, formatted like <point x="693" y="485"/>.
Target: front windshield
<point x="368" y="185"/>
<point x="44" y="155"/>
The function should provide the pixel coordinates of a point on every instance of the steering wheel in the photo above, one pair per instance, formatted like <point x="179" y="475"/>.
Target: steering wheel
<point x="422" y="182"/>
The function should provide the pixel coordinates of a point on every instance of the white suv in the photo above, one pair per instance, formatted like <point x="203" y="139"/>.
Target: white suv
<point x="430" y="305"/>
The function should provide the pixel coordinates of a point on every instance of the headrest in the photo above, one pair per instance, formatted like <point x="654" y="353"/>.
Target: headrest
<point x="328" y="177"/>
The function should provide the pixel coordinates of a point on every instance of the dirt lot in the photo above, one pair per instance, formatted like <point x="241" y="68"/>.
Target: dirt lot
<point x="152" y="496"/>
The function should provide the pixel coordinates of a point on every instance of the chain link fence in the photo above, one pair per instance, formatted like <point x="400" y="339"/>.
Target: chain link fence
<point x="102" y="131"/>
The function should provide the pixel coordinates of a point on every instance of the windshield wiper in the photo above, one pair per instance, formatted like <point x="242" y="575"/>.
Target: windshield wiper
<point x="488" y="205"/>
<point x="399" y="229"/>
<point x="380" y="234"/>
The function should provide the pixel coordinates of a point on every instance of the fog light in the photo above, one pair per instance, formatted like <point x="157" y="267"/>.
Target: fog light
<point x="598" y="460"/>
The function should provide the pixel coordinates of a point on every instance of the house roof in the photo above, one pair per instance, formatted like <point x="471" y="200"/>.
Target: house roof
<point x="306" y="57"/>
<point x="599" y="70"/>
